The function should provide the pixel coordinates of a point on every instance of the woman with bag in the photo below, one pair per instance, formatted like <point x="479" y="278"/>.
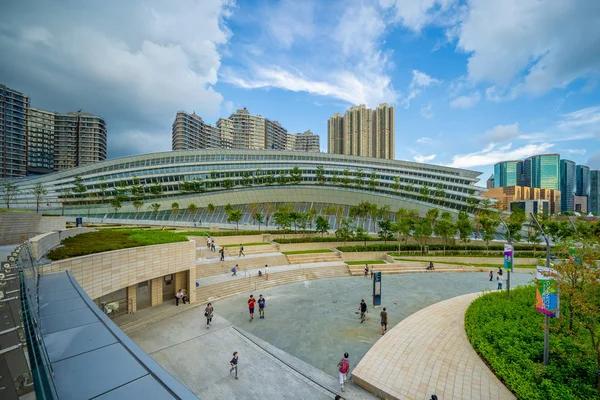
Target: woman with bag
<point x="208" y="313"/>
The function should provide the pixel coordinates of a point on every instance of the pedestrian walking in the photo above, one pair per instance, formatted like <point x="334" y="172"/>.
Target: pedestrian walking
<point x="366" y="271"/>
<point x="491" y="276"/>
<point x="500" y="271"/>
<point x="214" y="246"/>
<point x="262" y="302"/>
<point x="266" y="272"/>
<point x="499" y="279"/>
<point x="208" y="313"/>
<point x="241" y="251"/>
<point x="363" y="310"/>
<point x="234" y="364"/>
<point x="222" y="253"/>
<point x="208" y="242"/>
<point x="372" y="272"/>
<point x="251" y="302"/>
<point x="234" y="270"/>
<point x="343" y="370"/>
<point x="384" y="320"/>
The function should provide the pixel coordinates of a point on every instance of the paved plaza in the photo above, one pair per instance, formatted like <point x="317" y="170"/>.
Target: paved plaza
<point x="313" y="322"/>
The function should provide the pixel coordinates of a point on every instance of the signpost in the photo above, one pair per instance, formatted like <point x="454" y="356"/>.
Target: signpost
<point x="509" y="264"/>
<point x="376" y="289"/>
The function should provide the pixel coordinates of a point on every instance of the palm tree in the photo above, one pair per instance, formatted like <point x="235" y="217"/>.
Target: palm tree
<point x="138" y="204"/>
<point x="175" y="208"/>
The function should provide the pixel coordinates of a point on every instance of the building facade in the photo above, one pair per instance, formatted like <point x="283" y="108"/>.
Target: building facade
<point x="542" y="171"/>
<point x="505" y="173"/>
<point x="275" y="136"/>
<point x="594" y="199"/>
<point x="362" y="132"/>
<point x="489" y="184"/>
<point x="306" y="141"/>
<point x="40" y="141"/>
<point x="225" y="127"/>
<point x="508" y="194"/>
<point x="568" y="185"/>
<point x="80" y="139"/>
<point x="536" y="207"/>
<point x="191" y="132"/>
<point x="13" y="132"/>
<point x="248" y="130"/>
<point x="583" y="183"/>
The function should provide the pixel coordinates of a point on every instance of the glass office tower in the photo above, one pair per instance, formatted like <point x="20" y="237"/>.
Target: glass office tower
<point x="594" y="192"/>
<point x="567" y="185"/>
<point x="542" y="171"/>
<point x="506" y="173"/>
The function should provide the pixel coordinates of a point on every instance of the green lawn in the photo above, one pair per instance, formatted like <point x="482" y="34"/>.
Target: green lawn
<point x="305" y="252"/>
<point x="466" y="264"/>
<point x="247" y="244"/>
<point x="365" y="262"/>
<point x="108" y="240"/>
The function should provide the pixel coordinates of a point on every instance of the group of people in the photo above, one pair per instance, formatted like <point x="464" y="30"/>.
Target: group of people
<point x="362" y="307"/>
<point x="210" y="243"/>
<point x="367" y="271"/>
<point x="181" y="295"/>
<point x="498" y="277"/>
<point x="262" y="303"/>
<point x="234" y="270"/>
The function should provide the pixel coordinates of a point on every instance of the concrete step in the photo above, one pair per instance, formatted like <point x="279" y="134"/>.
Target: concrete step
<point x="312" y="258"/>
<point x="256" y="249"/>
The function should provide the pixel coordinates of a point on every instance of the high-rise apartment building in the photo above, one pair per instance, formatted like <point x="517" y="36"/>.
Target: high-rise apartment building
<point x="40" y="141"/>
<point x="290" y="143"/>
<point x="568" y="185"/>
<point x="275" y="135"/>
<point x="191" y="132"/>
<point x="13" y="132"/>
<point x="225" y="127"/>
<point x="362" y="132"/>
<point x="542" y="171"/>
<point x="306" y="141"/>
<point x="505" y="173"/>
<point x="79" y="139"/>
<point x="594" y="192"/>
<point x="248" y="130"/>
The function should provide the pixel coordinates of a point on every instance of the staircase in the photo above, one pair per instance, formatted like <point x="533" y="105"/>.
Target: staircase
<point x="405" y="267"/>
<point x="314" y="258"/>
<point x="251" y="249"/>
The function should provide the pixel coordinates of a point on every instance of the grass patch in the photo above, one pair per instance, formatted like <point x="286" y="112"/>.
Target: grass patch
<point x="15" y="210"/>
<point x="247" y="244"/>
<point x="365" y="262"/>
<point x="288" y="253"/>
<point x="108" y="240"/>
<point x="509" y="335"/>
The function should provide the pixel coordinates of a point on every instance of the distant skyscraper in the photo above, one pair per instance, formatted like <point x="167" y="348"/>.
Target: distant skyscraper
<point x="225" y="126"/>
<point x="13" y="133"/>
<point x="40" y="141"/>
<point x="275" y="135"/>
<point x="248" y="130"/>
<point x="490" y="182"/>
<point x="505" y="173"/>
<point x="191" y="132"/>
<point x="306" y="141"/>
<point x="583" y="183"/>
<point x="567" y="185"/>
<point x="79" y="139"/>
<point x="594" y="192"/>
<point x="362" y="132"/>
<point x="542" y="171"/>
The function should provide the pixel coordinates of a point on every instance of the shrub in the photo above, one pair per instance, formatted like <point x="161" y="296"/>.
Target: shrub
<point x="238" y="233"/>
<point x="509" y="335"/>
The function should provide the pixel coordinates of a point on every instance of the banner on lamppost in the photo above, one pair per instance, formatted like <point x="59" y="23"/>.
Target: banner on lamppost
<point x="546" y="295"/>
<point x="509" y="261"/>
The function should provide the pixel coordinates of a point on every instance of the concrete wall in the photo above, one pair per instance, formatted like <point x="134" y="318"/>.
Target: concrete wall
<point x="319" y="245"/>
<point x="17" y="227"/>
<point x="366" y="255"/>
<point x="45" y="242"/>
<point x="104" y="273"/>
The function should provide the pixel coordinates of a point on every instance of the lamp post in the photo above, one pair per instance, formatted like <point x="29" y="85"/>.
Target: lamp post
<point x="547" y="318"/>
<point x="508" y="239"/>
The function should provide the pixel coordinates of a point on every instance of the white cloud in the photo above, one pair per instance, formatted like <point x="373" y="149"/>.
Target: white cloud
<point x="415" y="14"/>
<point x="517" y="42"/>
<point x="423" y="159"/>
<point x="501" y="133"/>
<point x="289" y="21"/>
<point x="586" y="116"/>
<point x="491" y="155"/>
<point x="421" y="79"/>
<point x="362" y="22"/>
<point x="426" y="140"/>
<point x="466" y="101"/>
<point x="574" y="151"/>
<point x="426" y="111"/>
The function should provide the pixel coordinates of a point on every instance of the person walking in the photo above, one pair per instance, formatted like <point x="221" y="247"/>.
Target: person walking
<point x="241" y="251"/>
<point x="214" y="246"/>
<point x="384" y="320"/>
<point x="343" y="370"/>
<point x="234" y="270"/>
<point x="363" y="310"/>
<point x="499" y="279"/>
<point x="234" y="364"/>
<point x="251" y="302"/>
<point x="261" y="306"/>
<point x="366" y="271"/>
<point x="222" y="253"/>
<point x="491" y="275"/>
<point x="500" y="271"/>
<point x="208" y="313"/>
<point x="266" y="272"/>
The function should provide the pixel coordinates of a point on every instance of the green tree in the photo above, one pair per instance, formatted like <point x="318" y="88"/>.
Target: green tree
<point x="405" y="223"/>
<point x="432" y="215"/>
<point x="253" y="209"/>
<point x="138" y="204"/>
<point x="137" y="189"/>
<point x="322" y="224"/>
<point x="373" y="180"/>
<point x="311" y="213"/>
<point x="259" y="218"/>
<point x="9" y="193"/>
<point x="422" y="231"/>
<point x="296" y="175"/>
<point x="210" y="207"/>
<point x="268" y="209"/>
<point x="386" y="230"/>
<point x="155" y="207"/>
<point x="174" y="208"/>
<point x="439" y="193"/>
<point x="227" y="184"/>
<point x="489" y="225"/>
<point x="425" y="192"/>
<point x="80" y="189"/>
<point x="102" y="190"/>
<point x="64" y="198"/>
<point x="445" y="228"/>
<point x="396" y="185"/>
<point x="115" y="203"/>
<point x="335" y="178"/>
<point x="235" y="216"/>
<point x="533" y="236"/>
<point x="345" y="231"/>
<point x="39" y="191"/>
<point x="283" y="219"/>
<point x="359" y="181"/>
<point x="156" y="189"/>
<point x="361" y="234"/>
<point x="346" y="177"/>
<point x="247" y="179"/>
<point x="373" y="209"/>
<point x="320" y="174"/>
<point x="464" y="225"/>
<point x="192" y="208"/>
<point x="282" y="179"/>
<point x="228" y="208"/>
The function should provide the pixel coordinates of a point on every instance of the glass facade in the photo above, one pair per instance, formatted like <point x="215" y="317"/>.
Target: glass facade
<point x="542" y="171"/>
<point x="567" y="185"/>
<point x="594" y="192"/>
<point x="506" y="173"/>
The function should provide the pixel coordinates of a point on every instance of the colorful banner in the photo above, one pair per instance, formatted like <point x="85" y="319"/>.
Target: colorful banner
<point x="509" y="252"/>
<point x="546" y="295"/>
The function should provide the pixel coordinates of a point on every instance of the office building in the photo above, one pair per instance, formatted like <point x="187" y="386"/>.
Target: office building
<point x="504" y="196"/>
<point x="583" y="183"/>
<point x="79" y="139"/>
<point x="362" y="132"/>
<point x="40" y="141"/>
<point x="13" y="132"/>
<point x="568" y="185"/>
<point x="505" y="173"/>
<point x="594" y="199"/>
<point x="489" y="184"/>
<point x="542" y="171"/>
<point x="536" y="207"/>
<point x="191" y="132"/>
<point x="306" y="141"/>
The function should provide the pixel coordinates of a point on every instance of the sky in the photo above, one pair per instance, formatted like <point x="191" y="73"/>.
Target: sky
<point x="473" y="82"/>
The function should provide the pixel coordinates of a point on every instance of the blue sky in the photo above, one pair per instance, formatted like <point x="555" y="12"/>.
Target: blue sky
<point x="473" y="82"/>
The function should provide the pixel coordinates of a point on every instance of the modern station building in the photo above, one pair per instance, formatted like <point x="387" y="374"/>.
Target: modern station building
<point x="126" y="187"/>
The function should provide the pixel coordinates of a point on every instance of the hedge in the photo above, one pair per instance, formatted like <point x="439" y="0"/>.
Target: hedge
<point x="509" y="335"/>
<point x="450" y="249"/>
<point x="320" y="240"/>
<point x="239" y="233"/>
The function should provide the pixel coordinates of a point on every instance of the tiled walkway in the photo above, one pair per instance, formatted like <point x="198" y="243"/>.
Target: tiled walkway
<point x="429" y="353"/>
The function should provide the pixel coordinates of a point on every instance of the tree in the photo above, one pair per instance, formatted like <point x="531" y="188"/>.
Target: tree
<point x="253" y="209"/>
<point x="259" y="218"/>
<point x="533" y="237"/>
<point x="320" y="174"/>
<point x="137" y="189"/>
<point x="296" y="175"/>
<point x="373" y="180"/>
<point x="235" y="216"/>
<point x="345" y="230"/>
<point x="385" y="230"/>
<point x="335" y="178"/>
<point x="228" y="208"/>
<point x="282" y="219"/>
<point x="115" y="203"/>
<point x="210" y="207"/>
<point x="464" y="225"/>
<point x="155" y="207"/>
<point x="373" y="212"/>
<point x="192" y="208"/>
<point x="361" y="234"/>
<point x="268" y="210"/>
<point x="425" y="192"/>
<point x="422" y="231"/>
<point x="247" y="179"/>
<point x="282" y="179"/>
<point x="64" y="194"/>
<point x="39" y="191"/>
<point x="80" y="190"/>
<point x="194" y="186"/>
<point x="9" y="193"/>
<point x="227" y="184"/>
<point x="346" y="177"/>
<point x="360" y="178"/>
<point x="322" y="224"/>
<point x="432" y="215"/>
<point x="175" y="208"/>
<point x="103" y="187"/>
<point x="156" y="189"/>
<point x="445" y="228"/>
<point x="137" y="204"/>
<point x="405" y="222"/>
<point x="489" y="224"/>
<point x="311" y="213"/>
<point x="439" y="192"/>
<point x="396" y="185"/>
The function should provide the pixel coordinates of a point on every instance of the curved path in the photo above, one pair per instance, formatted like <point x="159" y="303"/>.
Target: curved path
<point x="429" y="353"/>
